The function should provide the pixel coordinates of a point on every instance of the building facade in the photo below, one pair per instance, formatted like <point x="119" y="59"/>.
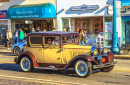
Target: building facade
<point x="125" y="18"/>
<point x="92" y="16"/>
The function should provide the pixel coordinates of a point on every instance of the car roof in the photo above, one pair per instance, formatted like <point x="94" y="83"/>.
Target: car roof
<point x="54" y="33"/>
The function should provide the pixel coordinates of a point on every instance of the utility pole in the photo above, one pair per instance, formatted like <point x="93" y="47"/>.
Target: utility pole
<point x="115" y="47"/>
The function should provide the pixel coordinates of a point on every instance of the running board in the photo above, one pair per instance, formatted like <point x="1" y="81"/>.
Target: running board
<point x="49" y="68"/>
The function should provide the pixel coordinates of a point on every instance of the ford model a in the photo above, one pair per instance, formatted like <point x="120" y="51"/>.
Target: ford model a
<point x="61" y="50"/>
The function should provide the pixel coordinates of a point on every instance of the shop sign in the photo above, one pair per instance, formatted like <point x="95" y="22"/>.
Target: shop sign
<point x="3" y="14"/>
<point x="125" y="2"/>
<point x="84" y="7"/>
<point x="24" y="12"/>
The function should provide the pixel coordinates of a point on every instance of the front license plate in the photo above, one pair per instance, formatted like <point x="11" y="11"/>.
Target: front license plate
<point x="99" y="57"/>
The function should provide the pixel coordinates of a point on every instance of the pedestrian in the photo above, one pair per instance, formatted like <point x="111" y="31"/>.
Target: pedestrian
<point x="84" y="36"/>
<point x="64" y="29"/>
<point x="16" y="35"/>
<point x="38" y="29"/>
<point x="9" y="38"/>
<point x="44" y="30"/>
<point x="68" y="29"/>
<point x="32" y="30"/>
<point x="54" y="29"/>
<point x="25" y="36"/>
<point x="77" y="30"/>
<point x="21" y="35"/>
<point x="81" y="36"/>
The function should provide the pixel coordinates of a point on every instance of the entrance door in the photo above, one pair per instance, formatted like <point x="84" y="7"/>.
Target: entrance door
<point x="127" y="32"/>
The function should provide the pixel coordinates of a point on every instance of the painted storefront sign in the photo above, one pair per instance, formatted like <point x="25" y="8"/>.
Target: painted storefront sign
<point x="3" y="14"/>
<point x="84" y="7"/>
<point x="125" y="2"/>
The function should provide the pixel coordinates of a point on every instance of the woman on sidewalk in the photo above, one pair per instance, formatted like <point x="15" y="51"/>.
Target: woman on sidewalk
<point x="9" y="38"/>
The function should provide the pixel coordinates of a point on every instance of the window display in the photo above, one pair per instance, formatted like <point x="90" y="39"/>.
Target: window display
<point x="65" y="24"/>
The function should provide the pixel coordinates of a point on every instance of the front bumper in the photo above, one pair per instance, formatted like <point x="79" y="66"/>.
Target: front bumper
<point x="104" y="65"/>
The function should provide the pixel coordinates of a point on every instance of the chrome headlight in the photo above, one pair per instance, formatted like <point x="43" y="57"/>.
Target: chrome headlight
<point x="105" y="50"/>
<point x="94" y="51"/>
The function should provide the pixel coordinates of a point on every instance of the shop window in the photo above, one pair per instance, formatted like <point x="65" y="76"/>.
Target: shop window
<point x="36" y="40"/>
<point x="65" y="24"/>
<point x="108" y="31"/>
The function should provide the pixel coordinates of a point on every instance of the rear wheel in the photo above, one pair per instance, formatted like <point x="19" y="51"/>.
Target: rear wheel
<point x="17" y="51"/>
<point x="83" y="68"/>
<point x="108" y="69"/>
<point x="26" y="64"/>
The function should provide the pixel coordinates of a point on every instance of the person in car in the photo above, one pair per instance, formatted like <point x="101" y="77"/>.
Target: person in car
<point x="49" y="42"/>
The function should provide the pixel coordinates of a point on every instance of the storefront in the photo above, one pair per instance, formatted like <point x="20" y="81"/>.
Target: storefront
<point x="4" y="22"/>
<point x="91" y="16"/>
<point x="28" y="16"/>
<point x="125" y="13"/>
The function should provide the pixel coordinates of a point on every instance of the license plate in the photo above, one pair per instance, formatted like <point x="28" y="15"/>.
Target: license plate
<point x="99" y="57"/>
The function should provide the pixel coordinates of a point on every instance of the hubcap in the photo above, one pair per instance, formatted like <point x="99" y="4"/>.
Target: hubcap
<point x="17" y="50"/>
<point x="25" y="64"/>
<point x="82" y="68"/>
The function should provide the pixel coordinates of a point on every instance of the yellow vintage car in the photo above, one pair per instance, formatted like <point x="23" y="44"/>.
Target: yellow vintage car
<point x="58" y="50"/>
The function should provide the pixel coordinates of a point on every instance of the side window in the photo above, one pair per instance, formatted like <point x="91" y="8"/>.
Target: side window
<point x="52" y="41"/>
<point x="36" y="40"/>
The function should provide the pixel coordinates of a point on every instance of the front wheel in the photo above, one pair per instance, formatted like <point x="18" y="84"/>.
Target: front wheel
<point x="26" y="64"/>
<point x="83" y="68"/>
<point x="16" y="51"/>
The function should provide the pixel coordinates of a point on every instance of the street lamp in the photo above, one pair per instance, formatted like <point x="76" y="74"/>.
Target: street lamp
<point x="115" y="47"/>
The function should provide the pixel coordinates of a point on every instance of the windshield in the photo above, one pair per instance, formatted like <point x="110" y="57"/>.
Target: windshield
<point x="70" y="39"/>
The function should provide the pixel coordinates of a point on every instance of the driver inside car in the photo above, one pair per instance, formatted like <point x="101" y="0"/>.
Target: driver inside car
<point x="49" y="42"/>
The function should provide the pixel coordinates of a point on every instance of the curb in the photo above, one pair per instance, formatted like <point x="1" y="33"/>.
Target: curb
<point x="122" y="56"/>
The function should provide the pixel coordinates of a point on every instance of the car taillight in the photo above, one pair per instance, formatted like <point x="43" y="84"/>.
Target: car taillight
<point x="103" y="59"/>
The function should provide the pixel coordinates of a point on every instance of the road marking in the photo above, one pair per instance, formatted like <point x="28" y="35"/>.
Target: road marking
<point x="121" y="70"/>
<point x="7" y="62"/>
<point x="62" y="82"/>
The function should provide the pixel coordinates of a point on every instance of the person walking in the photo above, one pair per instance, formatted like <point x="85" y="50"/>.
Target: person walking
<point x="16" y="35"/>
<point x="68" y="29"/>
<point x="38" y="29"/>
<point x="32" y="30"/>
<point x="84" y="36"/>
<point x="21" y="35"/>
<point x="81" y="36"/>
<point x="9" y="38"/>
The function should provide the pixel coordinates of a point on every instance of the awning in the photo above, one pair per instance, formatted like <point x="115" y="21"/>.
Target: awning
<point x="32" y="11"/>
<point x="125" y="18"/>
<point x="125" y="2"/>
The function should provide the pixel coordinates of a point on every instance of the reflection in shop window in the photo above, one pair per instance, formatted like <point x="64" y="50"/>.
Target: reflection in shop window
<point x="65" y="24"/>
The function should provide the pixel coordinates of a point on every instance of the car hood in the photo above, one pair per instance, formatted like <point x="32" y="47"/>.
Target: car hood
<point x="77" y="46"/>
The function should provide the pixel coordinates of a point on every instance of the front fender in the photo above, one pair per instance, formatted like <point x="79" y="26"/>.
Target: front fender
<point x="72" y="62"/>
<point x="109" y="56"/>
<point x="30" y="55"/>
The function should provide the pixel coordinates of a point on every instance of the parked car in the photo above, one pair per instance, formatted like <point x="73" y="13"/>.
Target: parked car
<point x="59" y="50"/>
<point x="17" y="48"/>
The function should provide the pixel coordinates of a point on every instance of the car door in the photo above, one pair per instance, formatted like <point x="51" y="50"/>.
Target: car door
<point x="52" y="52"/>
<point x="36" y="48"/>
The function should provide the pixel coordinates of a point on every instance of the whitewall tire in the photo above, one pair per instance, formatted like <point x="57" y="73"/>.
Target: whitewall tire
<point x="83" y="68"/>
<point x="26" y="64"/>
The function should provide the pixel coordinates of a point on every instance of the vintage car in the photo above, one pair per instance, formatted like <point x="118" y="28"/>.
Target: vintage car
<point x="17" y="48"/>
<point x="59" y="50"/>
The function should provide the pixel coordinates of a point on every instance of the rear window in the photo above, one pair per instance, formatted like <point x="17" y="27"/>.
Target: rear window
<point x="36" y="40"/>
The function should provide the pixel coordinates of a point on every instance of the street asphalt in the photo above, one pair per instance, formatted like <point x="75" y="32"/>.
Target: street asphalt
<point x="11" y="74"/>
